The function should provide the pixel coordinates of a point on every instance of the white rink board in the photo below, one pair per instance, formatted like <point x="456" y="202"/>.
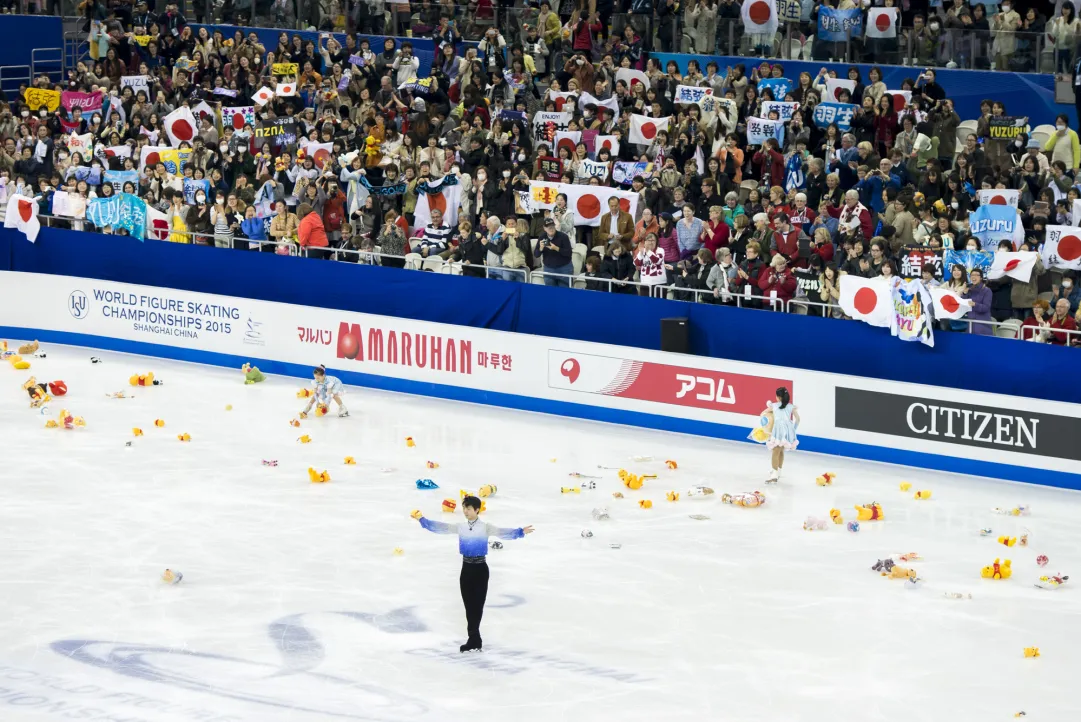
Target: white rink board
<point x="688" y="390"/>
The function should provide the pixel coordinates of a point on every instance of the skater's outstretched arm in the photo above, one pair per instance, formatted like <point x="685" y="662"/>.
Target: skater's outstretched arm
<point x="503" y="533"/>
<point x="436" y="527"/>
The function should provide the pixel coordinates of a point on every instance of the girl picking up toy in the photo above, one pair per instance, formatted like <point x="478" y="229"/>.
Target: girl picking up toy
<point x="326" y="388"/>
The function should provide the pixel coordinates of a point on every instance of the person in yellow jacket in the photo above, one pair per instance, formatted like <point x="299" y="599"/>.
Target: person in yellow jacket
<point x="1064" y="144"/>
<point x="176" y="214"/>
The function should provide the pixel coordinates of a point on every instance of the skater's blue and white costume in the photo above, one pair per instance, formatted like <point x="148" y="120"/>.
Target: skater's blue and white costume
<point x="327" y="389"/>
<point x="472" y="535"/>
<point x="784" y="428"/>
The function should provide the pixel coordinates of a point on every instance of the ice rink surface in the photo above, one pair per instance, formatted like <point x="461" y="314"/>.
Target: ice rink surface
<point x="294" y="607"/>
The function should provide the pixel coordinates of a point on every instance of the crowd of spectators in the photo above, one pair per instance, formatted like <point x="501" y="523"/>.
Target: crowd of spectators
<point x="718" y="219"/>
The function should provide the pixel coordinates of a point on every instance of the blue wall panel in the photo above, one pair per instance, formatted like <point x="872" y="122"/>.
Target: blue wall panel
<point x="957" y="360"/>
<point x="1028" y="94"/>
<point x="23" y="34"/>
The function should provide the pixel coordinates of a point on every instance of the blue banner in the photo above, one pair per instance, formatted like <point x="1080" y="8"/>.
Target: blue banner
<point x="625" y="171"/>
<point x="968" y="259"/>
<point x="123" y="210"/>
<point x="993" y="223"/>
<point x="759" y="130"/>
<point x="117" y="179"/>
<point x="793" y="173"/>
<point x="778" y="86"/>
<point x="838" y="25"/>
<point x="191" y="186"/>
<point x="839" y="113"/>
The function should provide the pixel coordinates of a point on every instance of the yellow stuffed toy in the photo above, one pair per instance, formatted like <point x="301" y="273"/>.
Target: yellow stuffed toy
<point x="1007" y="540"/>
<point x="373" y="151"/>
<point x="143" y="380"/>
<point x="318" y="477"/>
<point x="869" y="512"/>
<point x="487" y="490"/>
<point x="826" y="479"/>
<point x="997" y="570"/>
<point x="835" y="515"/>
<point x="631" y="481"/>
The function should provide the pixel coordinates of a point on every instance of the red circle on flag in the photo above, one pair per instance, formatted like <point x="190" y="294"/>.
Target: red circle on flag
<point x="110" y="153"/>
<point x="1069" y="248"/>
<point x="320" y="157"/>
<point x="865" y="301"/>
<point x="607" y="144"/>
<point x="566" y="143"/>
<point x="181" y="129"/>
<point x="559" y="104"/>
<point x="998" y="200"/>
<point x="159" y="229"/>
<point x="437" y="202"/>
<point x="883" y="22"/>
<point x="759" y="12"/>
<point x="26" y="211"/>
<point x="950" y="303"/>
<point x="1012" y="264"/>
<point x="589" y="206"/>
<point x="153" y="158"/>
<point x="238" y="121"/>
<point x="898" y="102"/>
<point x="837" y="92"/>
<point x="637" y="80"/>
<point x="649" y="130"/>
<point x="624" y="205"/>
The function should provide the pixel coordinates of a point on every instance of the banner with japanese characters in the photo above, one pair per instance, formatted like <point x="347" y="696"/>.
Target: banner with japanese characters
<point x="839" y="113"/>
<point x="784" y="110"/>
<point x="759" y="130"/>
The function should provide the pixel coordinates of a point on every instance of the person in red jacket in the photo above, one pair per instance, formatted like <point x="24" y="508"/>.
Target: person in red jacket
<point x="312" y="235"/>
<point x="823" y="245"/>
<point x="334" y="212"/>
<point x="785" y="240"/>
<point x="853" y="214"/>
<point x="777" y="284"/>
<point x="770" y="163"/>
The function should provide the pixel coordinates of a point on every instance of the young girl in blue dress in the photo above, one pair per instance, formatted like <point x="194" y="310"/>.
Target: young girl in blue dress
<point x="784" y="420"/>
<point x="327" y="388"/>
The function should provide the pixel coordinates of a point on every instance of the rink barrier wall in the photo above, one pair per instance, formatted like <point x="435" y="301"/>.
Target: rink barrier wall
<point x="960" y="361"/>
<point x="1031" y="94"/>
<point x="841" y="415"/>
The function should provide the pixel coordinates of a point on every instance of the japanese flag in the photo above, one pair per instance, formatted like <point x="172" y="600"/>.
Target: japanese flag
<point x="644" y="129"/>
<point x="203" y="110"/>
<point x="319" y="152"/>
<point x="759" y="16"/>
<point x="834" y="86"/>
<point x="866" y="299"/>
<point x="262" y="96"/>
<point x="901" y="98"/>
<point x="285" y="90"/>
<point x="1015" y="265"/>
<point x="631" y="76"/>
<point x="1061" y="249"/>
<point x="561" y="99"/>
<point x="998" y="197"/>
<point x="949" y="304"/>
<point x="589" y="203"/>
<point x="568" y="139"/>
<point x="180" y="126"/>
<point x="606" y="141"/>
<point x="22" y="213"/>
<point x="882" y="23"/>
<point x="157" y="224"/>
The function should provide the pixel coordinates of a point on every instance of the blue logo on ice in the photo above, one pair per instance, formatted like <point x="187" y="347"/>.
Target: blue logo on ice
<point x="78" y="305"/>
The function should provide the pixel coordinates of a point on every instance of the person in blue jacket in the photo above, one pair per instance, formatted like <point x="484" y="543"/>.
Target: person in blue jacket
<point x="876" y="182"/>
<point x="473" y="545"/>
<point x="979" y="298"/>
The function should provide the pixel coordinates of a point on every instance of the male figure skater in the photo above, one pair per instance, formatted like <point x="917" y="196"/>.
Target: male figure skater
<point x="473" y="545"/>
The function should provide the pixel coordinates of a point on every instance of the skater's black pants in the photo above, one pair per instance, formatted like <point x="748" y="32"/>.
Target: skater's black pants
<point x="474" y="585"/>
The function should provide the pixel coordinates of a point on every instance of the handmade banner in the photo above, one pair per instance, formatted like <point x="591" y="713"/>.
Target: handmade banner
<point x="384" y="190"/>
<point x="174" y="159"/>
<point x="911" y="320"/>
<point x="1007" y="127"/>
<point x="357" y="60"/>
<point x="87" y="102"/>
<point x="423" y="86"/>
<point x="227" y="92"/>
<point x="759" y="130"/>
<point x="37" y="98"/>
<point x="192" y="186"/>
<point x="82" y="144"/>
<point x="591" y="169"/>
<point x="837" y="26"/>
<point x="122" y="211"/>
<point x="285" y="68"/>
<point x="789" y="11"/>
<point x="915" y="258"/>
<point x="547" y="124"/>
<point x="551" y="167"/>
<point x="588" y="137"/>
<point x="117" y="179"/>
<point x="993" y="223"/>
<point x="784" y="110"/>
<point x="967" y="260"/>
<point x="542" y="195"/>
<point x="690" y="94"/>
<point x="239" y="116"/>
<point x="344" y="82"/>
<point x="624" y="172"/>
<point x="136" y="83"/>
<point x="794" y="176"/>
<point x="443" y="195"/>
<point x="279" y="132"/>
<point x="1062" y="247"/>
<point x="778" y="86"/>
<point x="839" y="113"/>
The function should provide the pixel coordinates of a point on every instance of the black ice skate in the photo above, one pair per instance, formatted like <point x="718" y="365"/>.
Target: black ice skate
<point x="470" y="646"/>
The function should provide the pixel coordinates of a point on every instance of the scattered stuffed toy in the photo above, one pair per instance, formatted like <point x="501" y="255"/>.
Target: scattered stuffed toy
<point x="252" y="374"/>
<point x="826" y="479"/>
<point x="145" y="380"/>
<point x="835" y="515"/>
<point x="869" y="512"/>
<point x="749" y="500"/>
<point x="1052" y="581"/>
<point x="997" y="570"/>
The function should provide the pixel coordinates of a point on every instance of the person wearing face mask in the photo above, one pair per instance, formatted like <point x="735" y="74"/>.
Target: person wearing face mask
<point x="222" y="223"/>
<point x="198" y="219"/>
<point x="1064" y="145"/>
<point x="1004" y="25"/>
<point x="1067" y="290"/>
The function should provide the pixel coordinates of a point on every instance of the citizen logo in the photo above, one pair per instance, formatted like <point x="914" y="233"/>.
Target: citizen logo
<point x="951" y="422"/>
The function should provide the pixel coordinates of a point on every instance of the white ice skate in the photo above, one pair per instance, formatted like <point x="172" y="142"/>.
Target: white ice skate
<point x="342" y="413"/>
<point x="774" y="475"/>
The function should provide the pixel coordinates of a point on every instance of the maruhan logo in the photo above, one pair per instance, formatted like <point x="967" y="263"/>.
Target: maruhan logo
<point x="78" y="305"/>
<point x="252" y="335"/>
